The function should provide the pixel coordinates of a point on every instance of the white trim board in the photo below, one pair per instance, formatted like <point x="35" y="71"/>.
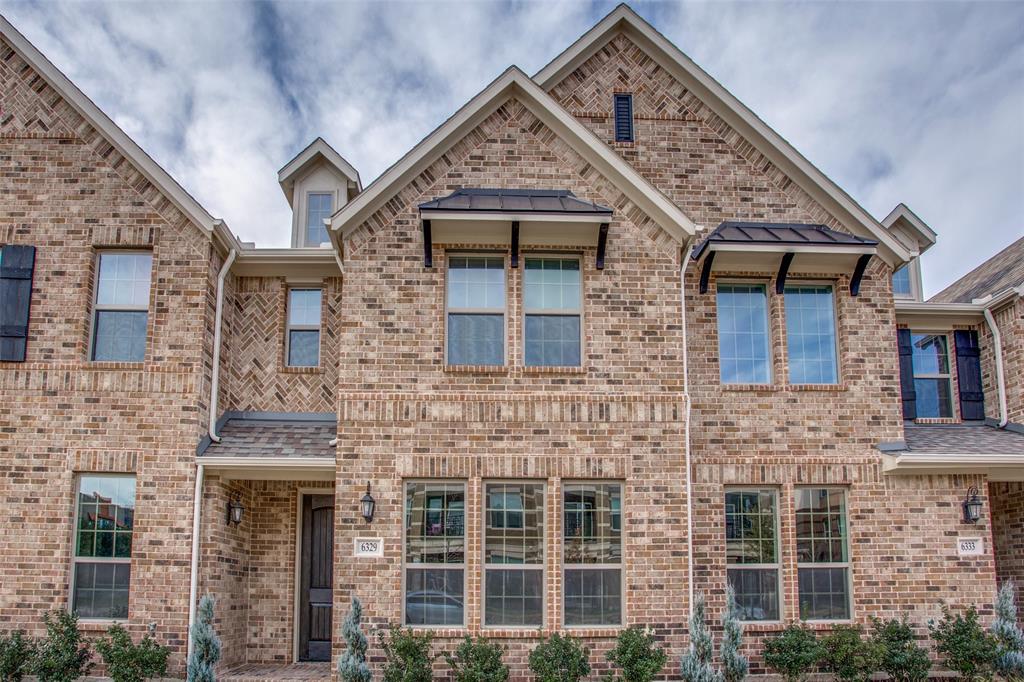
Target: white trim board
<point x="996" y="467"/>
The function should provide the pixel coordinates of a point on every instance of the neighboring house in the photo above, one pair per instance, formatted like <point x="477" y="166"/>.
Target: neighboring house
<point x="601" y="340"/>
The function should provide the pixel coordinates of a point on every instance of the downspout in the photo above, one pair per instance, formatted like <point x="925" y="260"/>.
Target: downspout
<point x="193" y="583"/>
<point x="215" y="381"/>
<point x="341" y="268"/>
<point x="685" y="252"/>
<point x="997" y="341"/>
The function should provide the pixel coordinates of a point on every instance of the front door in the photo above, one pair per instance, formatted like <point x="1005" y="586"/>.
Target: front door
<point x="317" y="566"/>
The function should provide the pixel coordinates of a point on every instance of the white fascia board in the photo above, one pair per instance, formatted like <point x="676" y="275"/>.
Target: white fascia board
<point x="286" y="262"/>
<point x="319" y="147"/>
<point x="926" y="236"/>
<point x="513" y="83"/>
<point x="735" y="113"/>
<point x="271" y="468"/>
<point x="997" y="467"/>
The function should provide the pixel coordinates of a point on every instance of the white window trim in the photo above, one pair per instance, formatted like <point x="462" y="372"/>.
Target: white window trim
<point x="578" y="312"/>
<point x="767" y="322"/>
<point x="542" y="566"/>
<point x="777" y="566"/>
<point x="916" y="285"/>
<point x="503" y="311"/>
<point x="305" y="217"/>
<point x="948" y="375"/>
<point x="289" y="327"/>
<point x="621" y="566"/>
<point x="829" y="564"/>
<point x="837" y="355"/>
<point x="97" y="307"/>
<point x="462" y="567"/>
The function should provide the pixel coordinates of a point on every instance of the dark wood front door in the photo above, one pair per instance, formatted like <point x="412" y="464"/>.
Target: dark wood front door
<point x="317" y="585"/>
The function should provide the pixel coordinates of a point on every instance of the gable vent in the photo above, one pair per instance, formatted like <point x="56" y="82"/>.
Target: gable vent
<point x="624" y="118"/>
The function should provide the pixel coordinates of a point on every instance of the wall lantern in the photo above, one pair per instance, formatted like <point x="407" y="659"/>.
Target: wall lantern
<point x="235" y="511"/>
<point x="367" y="504"/>
<point x="972" y="506"/>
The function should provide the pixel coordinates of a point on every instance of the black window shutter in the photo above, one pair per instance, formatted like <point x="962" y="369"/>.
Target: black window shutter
<point x="623" y="118"/>
<point x="968" y="370"/>
<point x="16" y="266"/>
<point x="907" y="392"/>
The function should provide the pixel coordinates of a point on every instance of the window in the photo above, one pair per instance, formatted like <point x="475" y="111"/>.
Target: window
<point x="514" y="554"/>
<point x="476" y="310"/>
<point x="122" y="307"/>
<point x="901" y="283"/>
<point x="552" y="306"/>
<point x="318" y="208"/>
<point x="743" y="334"/>
<point x="823" y="569"/>
<point x="303" y="334"/>
<point x="930" y="358"/>
<point x="593" y="553"/>
<point x="811" y="335"/>
<point x="624" y="117"/>
<point x="752" y="552"/>
<point x="104" y="518"/>
<point x="435" y="553"/>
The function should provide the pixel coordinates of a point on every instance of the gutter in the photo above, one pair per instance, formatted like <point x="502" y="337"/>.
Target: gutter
<point x="987" y="304"/>
<point x="215" y="381"/>
<point x="688" y="249"/>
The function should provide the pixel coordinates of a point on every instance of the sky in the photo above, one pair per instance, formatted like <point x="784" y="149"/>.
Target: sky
<point x="919" y="102"/>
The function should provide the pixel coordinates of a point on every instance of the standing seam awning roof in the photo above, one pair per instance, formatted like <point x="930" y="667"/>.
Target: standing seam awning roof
<point x="782" y="234"/>
<point x="547" y="201"/>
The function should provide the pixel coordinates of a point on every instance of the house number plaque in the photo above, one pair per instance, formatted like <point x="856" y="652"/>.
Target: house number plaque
<point x="369" y="547"/>
<point x="971" y="547"/>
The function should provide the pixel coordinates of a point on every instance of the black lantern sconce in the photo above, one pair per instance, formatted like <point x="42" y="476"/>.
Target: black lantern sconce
<point x="972" y="506"/>
<point x="367" y="504"/>
<point x="235" y="511"/>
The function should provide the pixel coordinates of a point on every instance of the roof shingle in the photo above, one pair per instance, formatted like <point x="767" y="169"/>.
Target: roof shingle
<point x="1000" y="272"/>
<point x="968" y="439"/>
<point x="273" y="438"/>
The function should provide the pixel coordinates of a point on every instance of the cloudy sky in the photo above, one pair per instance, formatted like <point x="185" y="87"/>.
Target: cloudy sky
<point x="921" y="102"/>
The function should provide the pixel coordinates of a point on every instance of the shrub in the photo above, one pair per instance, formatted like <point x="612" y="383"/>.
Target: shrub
<point x="696" y="663"/>
<point x="902" y="659"/>
<point x="352" y="662"/>
<point x="793" y="653"/>
<point x="129" y="662"/>
<point x="1008" y="635"/>
<point x="205" y="644"/>
<point x="734" y="665"/>
<point x="64" y="655"/>
<point x="637" y="656"/>
<point x="477" y="661"/>
<point x="408" y="656"/>
<point x="848" y="655"/>
<point x="964" y="646"/>
<point x="560" y="659"/>
<point x="16" y="652"/>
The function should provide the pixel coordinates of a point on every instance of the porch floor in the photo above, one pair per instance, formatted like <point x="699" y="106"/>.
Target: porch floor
<point x="277" y="672"/>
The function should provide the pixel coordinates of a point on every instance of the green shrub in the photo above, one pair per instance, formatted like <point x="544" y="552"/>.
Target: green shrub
<point x="130" y="662"/>
<point x="848" y="655"/>
<point x="16" y="652"/>
<point x="735" y="666"/>
<point x="560" y="659"/>
<point x="64" y="655"/>
<point x="408" y="656"/>
<point x="902" y="659"/>
<point x="964" y="646"/>
<point x="636" y="655"/>
<point x="794" y="653"/>
<point x="352" y="662"/>
<point x="1008" y="635"/>
<point x="205" y="644"/>
<point x="477" y="661"/>
<point x="696" y="664"/>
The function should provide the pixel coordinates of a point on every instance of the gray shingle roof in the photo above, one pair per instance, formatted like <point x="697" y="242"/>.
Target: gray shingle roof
<point x="515" y="201"/>
<point x="778" y="233"/>
<point x="1001" y="271"/>
<point x="273" y="438"/>
<point x="971" y="439"/>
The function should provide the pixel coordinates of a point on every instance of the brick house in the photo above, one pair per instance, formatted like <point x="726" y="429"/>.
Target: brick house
<point x="600" y="341"/>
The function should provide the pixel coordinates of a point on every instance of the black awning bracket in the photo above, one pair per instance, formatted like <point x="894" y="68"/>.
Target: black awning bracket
<point x="428" y="246"/>
<point x="514" y="259"/>
<point x="602" y="241"/>
<point x="858" y="273"/>
<point x="705" y="272"/>
<point x="780" y="278"/>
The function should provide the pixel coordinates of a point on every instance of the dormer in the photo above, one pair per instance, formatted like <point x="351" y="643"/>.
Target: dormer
<point x="317" y="183"/>
<point x="912" y="232"/>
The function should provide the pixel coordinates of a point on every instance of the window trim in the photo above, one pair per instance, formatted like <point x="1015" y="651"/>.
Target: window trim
<point x="305" y="226"/>
<point x="836" y="352"/>
<point x="480" y="311"/>
<point x="848" y="564"/>
<point x="289" y="327"/>
<point x="551" y="255"/>
<point x="542" y="566"/>
<point x="766" y="284"/>
<point x="621" y="566"/>
<point x="464" y="566"/>
<point x="948" y="376"/>
<point x="777" y="566"/>
<point x="75" y="559"/>
<point x="97" y="307"/>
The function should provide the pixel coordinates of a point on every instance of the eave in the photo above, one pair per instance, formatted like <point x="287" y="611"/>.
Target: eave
<point x="995" y="467"/>
<point x="271" y="468"/>
<point x="311" y="263"/>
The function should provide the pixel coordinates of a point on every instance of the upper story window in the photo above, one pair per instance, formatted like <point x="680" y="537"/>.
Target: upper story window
<point x="752" y="552"/>
<point x="932" y="383"/>
<point x="592" y="537"/>
<point x="121" y="310"/>
<point x="901" y="287"/>
<point x="514" y="554"/>
<point x="822" y="554"/>
<point x="104" y="523"/>
<point x="476" y="310"/>
<point x="811" y="334"/>
<point x="552" y="304"/>
<point x="743" y="340"/>
<point x="303" y="333"/>
<point x="318" y="208"/>
<point x="623" y="117"/>
<point x="435" y="553"/>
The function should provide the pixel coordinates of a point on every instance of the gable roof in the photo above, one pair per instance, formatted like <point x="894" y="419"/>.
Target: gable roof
<point x="316" y="150"/>
<point x="624" y="20"/>
<point x="1005" y="270"/>
<point x="513" y="83"/>
<point x="149" y="168"/>
<point x="906" y="220"/>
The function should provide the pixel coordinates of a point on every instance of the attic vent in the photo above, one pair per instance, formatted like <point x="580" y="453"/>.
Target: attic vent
<point x="624" y="118"/>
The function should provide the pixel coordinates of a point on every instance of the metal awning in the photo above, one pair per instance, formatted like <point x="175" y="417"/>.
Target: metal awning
<point x="534" y="217"/>
<point x="744" y="245"/>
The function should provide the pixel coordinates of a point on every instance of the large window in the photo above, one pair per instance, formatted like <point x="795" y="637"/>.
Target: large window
<point x="303" y="334"/>
<point x="811" y="334"/>
<point x="752" y="551"/>
<point x="104" y="519"/>
<point x="743" y="348"/>
<point x="318" y="208"/>
<point x="593" y="553"/>
<point x="514" y="554"/>
<point x="435" y="553"/>
<point x="822" y="552"/>
<point x="901" y="283"/>
<point x="552" y="304"/>
<point x="476" y="310"/>
<point x="932" y="382"/>
<point x="122" y="307"/>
